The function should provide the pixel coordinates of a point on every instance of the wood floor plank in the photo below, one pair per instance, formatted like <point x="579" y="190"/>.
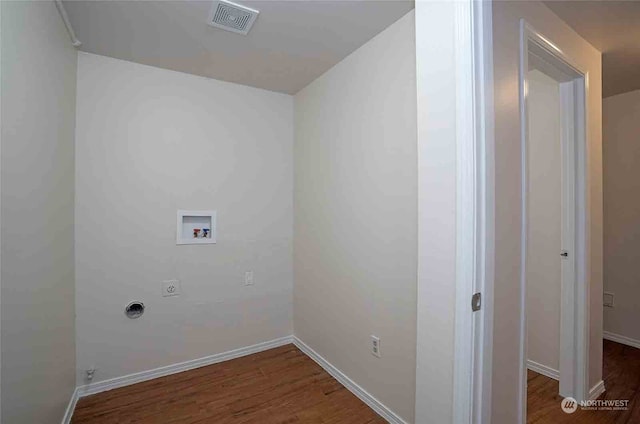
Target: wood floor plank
<point x="277" y="386"/>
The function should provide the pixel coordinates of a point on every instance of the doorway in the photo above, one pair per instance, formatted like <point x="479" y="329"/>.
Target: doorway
<point x="544" y="225"/>
<point x="553" y="280"/>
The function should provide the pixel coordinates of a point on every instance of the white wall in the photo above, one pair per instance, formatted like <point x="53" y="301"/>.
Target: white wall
<point x="544" y="221"/>
<point x="149" y="142"/>
<point x="621" y="127"/>
<point x="37" y="156"/>
<point x="437" y="175"/>
<point x="506" y="50"/>
<point x="355" y="204"/>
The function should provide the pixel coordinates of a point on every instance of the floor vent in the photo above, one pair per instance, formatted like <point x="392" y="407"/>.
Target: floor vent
<point x="232" y="17"/>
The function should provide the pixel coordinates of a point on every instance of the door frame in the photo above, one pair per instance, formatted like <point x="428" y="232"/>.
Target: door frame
<point x="574" y="89"/>
<point x="454" y="58"/>
<point x="475" y="206"/>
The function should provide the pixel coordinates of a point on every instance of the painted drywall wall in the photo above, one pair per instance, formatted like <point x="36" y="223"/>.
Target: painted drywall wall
<point x="437" y="174"/>
<point x="37" y="172"/>
<point x="152" y="141"/>
<point x="621" y="151"/>
<point x="506" y="50"/>
<point x="544" y="221"/>
<point x="355" y="206"/>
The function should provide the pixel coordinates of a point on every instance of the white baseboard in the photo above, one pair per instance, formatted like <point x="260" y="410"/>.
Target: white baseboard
<point x="594" y="393"/>
<point x="354" y="388"/>
<point x="71" y="407"/>
<point x="139" y="377"/>
<point x="543" y="369"/>
<point x="596" y="390"/>
<point x="621" y="339"/>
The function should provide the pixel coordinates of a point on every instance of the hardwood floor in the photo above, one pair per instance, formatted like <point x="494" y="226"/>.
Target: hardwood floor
<point x="283" y="385"/>
<point x="622" y="381"/>
<point x="280" y="385"/>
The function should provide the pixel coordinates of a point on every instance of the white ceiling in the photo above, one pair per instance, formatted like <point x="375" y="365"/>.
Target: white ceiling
<point x="613" y="27"/>
<point x="291" y="44"/>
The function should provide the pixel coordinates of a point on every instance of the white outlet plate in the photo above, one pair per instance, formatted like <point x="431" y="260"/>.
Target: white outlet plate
<point x="375" y="346"/>
<point x="171" y="288"/>
<point x="608" y="299"/>
<point x="248" y="278"/>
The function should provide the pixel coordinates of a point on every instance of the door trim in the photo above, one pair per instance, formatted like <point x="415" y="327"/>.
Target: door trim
<point x="575" y="294"/>
<point x="454" y="69"/>
<point x="474" y="212"/>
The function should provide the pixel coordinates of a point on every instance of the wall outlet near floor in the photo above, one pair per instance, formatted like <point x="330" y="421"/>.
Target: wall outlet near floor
<point x="248" y="278"/>
<point x="171" y="288"/>
<point x="608" y="299"/>
<point x="375" y="346"/>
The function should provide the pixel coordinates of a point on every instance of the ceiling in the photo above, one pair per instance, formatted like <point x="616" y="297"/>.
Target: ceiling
<point x="290" y="45"/>
<point x="613" y="27"/>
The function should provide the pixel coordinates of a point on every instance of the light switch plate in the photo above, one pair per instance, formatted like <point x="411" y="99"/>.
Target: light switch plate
<point x="171" y="288"/>
<point x="248" y="278"/>
<point x="608" y="299"/>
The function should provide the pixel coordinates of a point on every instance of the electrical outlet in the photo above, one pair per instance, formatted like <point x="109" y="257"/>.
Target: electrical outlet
<point x="375" y="346"/>
<point x="608" y="299"/>
<point x="248" y="278"/>
<point x="170" y="288"/>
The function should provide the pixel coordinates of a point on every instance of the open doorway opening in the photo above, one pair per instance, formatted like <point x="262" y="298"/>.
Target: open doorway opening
<point x="544" y="232"/>
<point x="554" y="286"/>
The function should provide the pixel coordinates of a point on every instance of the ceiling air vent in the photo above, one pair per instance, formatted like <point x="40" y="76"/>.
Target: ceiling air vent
<point x="232" y="17"/>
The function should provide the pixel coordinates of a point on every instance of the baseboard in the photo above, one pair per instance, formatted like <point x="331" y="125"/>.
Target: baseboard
<point x="621" y="339"/>
<point x="139" y="377"/>
<point x="71" y="407"/>
<point x="354" y="388"/>
<point x="596" y="390"/>
<point x="543" y="369"/>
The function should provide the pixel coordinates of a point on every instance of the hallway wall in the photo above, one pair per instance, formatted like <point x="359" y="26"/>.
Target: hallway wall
<point x="621" y="151"/>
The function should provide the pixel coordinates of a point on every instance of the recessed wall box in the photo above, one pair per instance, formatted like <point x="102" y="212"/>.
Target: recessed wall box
<point x="196" y="227"/>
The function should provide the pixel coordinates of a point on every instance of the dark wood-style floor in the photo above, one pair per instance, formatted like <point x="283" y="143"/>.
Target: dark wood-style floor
<point x="621" y="379"/>
<point x="283" y="385"/>
<point x="280" y="385"/>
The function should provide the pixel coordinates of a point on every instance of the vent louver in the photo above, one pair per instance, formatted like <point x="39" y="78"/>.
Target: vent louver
<point x="232" y="17"/>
